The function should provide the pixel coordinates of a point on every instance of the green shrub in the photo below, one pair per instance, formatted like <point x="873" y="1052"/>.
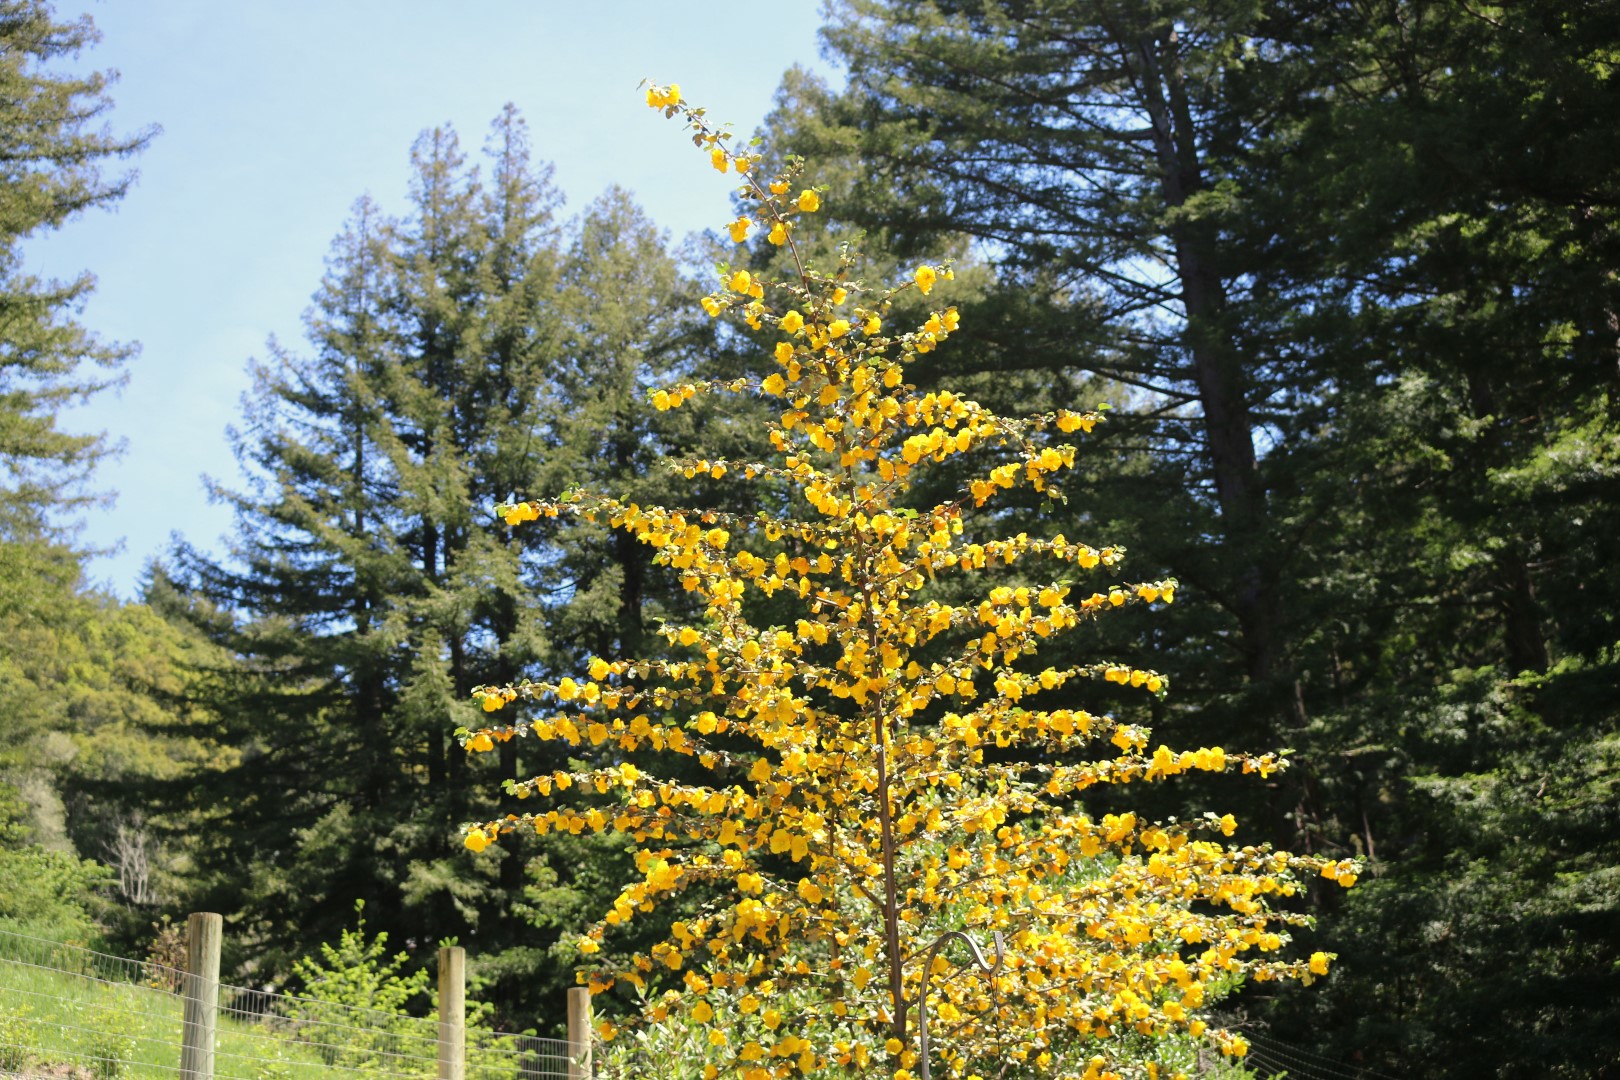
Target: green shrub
<point x="358" y="973"/>
<point x="16" y="1036"/>
<point x="111" y="1044"/>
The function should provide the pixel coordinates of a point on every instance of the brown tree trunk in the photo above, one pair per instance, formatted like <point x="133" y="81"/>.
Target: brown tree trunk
<point x="1217" y="371"/>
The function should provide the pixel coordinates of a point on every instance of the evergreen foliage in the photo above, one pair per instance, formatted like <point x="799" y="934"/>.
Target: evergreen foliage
<point x="80" y="675"/>
<point x="1407" y="213"/>
<point x="465" y="348"/>
<point x="51" y="161"/>
<point x="1345" y="270"/>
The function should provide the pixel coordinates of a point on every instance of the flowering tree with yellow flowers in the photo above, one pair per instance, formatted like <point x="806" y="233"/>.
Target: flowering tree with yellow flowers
<point x="891" y="859"/>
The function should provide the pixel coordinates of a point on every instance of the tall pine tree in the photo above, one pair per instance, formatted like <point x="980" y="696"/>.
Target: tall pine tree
<point x="1403" y="214"/>
<point x="1457" y="204"/>
<point x="457" y="355"/>
<point x="54" y="148"/>
<point x="1091" y="151"/>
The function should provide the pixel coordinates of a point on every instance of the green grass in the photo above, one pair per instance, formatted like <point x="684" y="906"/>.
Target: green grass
<point x="106" y="1031"/>
<point x="68" y="1013"/>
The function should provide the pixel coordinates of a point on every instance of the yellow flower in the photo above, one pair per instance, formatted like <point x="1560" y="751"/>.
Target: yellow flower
<point x="837" y="328"/>
<point x="588" y="945"/>
<point x="774" y="385"/>
<point x="809" y="201"/>
<point x="702" y="1012"/>
<point x="1319" y="963"/>
<point x="778" y="234"/>
<point x="739" y="229"/>
<point x="740" y="282"/>
<point x="660" y="96"/>
<point x="925" y="277"/>
<point x="784" y="352"/>
<point x="717" y="158"/>
<point x="476" y="840"/>
<point x="792" y="322"/>
<point x="481" y="743"/>
<point x="779" y="187"/>
<point x="872" y="325"/>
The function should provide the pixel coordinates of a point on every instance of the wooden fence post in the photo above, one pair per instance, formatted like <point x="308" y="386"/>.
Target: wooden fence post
<point x="204" y="930"/>
<point x="579" y="1033"/>
<point x="452" y="1013"/>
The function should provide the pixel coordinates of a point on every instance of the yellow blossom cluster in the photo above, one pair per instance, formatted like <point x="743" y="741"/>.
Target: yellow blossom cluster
<point x="889" y="764"/>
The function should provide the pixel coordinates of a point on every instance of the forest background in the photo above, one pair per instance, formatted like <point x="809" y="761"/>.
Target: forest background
<point x="1345" y="271"/>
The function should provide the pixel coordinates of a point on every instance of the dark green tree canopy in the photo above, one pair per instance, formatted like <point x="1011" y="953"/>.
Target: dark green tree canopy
<point x="1356" y="263"/>
<point x="54" y="148"/>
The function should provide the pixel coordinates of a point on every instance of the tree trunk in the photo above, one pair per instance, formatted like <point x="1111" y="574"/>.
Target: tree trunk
<point x="1217" y="371"/>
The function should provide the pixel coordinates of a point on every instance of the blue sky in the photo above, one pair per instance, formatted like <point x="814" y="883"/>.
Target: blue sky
<point x="278" y="115"/>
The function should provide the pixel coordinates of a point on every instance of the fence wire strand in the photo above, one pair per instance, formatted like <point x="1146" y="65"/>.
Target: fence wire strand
<point x="1273" y="1056"/>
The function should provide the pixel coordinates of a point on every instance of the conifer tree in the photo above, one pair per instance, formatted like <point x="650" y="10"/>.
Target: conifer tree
<point x="1459" y="198"/>
<point x="888" y="774"/>
<point x="51" y="158"/>
<point x="317" y="561"/>
<point x="1411" y="208"/>
<point x="361" y="600"/>
<point x="460" y="349"/>
<point x="1097" y="154"/>
<point x="617" y="341"/>
<point x="58" y="159"/>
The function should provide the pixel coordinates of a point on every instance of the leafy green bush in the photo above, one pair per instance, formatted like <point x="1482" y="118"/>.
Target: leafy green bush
<point x="111" y="1029"/>
<point x="15" y="1037"/>
<point x="358" y="973"/>
<point x="51" y="892"/>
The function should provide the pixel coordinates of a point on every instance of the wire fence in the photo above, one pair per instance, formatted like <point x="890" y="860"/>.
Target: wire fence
<point x="1271" y="1057"/>
<point x="72" y="1013"/>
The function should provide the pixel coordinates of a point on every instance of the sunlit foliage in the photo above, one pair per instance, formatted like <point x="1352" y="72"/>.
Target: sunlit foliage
<point x="890" y="764"/>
